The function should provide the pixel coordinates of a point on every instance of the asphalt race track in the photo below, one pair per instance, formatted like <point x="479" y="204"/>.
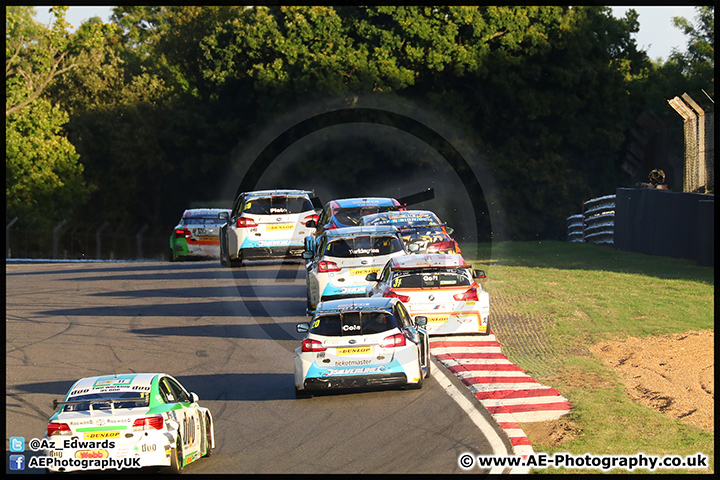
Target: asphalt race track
<point x="228" y="335"/>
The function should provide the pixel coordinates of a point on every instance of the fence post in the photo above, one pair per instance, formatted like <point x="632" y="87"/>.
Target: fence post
<point x="138" y="239"/>
<point x="56" y="240"/>
<point x="98" y="243"/>
<point x="8" y="253"/>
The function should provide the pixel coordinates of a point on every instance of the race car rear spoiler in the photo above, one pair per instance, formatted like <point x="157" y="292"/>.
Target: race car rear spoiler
<point x="111" y="401"/>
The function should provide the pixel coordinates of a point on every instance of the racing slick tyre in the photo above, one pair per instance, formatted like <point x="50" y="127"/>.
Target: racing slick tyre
<point x="302" y="393"/>
<point x="236" y="263"/>
<point x="419" y="384"/>
<point x="427" y="370"/>
<point x="176" y="459"/>
<point x="208" y="437"/>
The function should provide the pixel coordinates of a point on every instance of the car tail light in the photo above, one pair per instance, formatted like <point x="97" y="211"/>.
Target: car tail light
<point x="58" y="429"/>
<point x="146" y="423"/>
<point x="182" y="232"/>
<point x="467" y="296"/>
<point x="324" y="267"/>
<point x="392" y="294"/>
<point x="315" y="217"/>
<point x="397" y="340"/>
<point x="310" y="345"/>
<point x="445" y="246"/>
<point x="245" y="222"/>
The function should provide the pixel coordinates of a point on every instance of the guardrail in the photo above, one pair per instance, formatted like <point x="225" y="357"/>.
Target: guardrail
<point x="596" y="224"/>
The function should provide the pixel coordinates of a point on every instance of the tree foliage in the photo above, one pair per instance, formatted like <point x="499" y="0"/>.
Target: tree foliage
<point x="162" y="98"/>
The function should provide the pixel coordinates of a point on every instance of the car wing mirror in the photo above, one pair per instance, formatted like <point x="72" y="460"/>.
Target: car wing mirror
<point x="478" y="273"/>
<point x="223" y="215"/>
<point x="311" y="224"/>
<point x="302" y="327"/>
<point x="413" y="247"/>
<point x="420" y="321"/>
<point x="307" y="254"/>
<point x="371" y="277"/>
<point x="194" y="397"/>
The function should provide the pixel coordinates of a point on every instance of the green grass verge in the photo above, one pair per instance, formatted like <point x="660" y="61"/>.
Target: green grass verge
<point x="582" y="294"/>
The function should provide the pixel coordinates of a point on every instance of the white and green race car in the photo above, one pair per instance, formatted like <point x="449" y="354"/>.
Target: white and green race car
<point x="128" y="421"/>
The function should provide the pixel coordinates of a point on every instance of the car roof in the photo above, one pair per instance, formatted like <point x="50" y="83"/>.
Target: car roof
<point x="355" y="305"/>
<point x="359" y="231"/>
<point x="366" y="202"/>
<point x="278" y="192"/>
<point x="199" y="212"/>
<point x="451" y="260"/>
<point x="117" y="382"/>
<point x="403" y="216"/>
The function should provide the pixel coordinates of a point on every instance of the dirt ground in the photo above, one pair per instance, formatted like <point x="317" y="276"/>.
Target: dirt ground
<point x="673" y="374"/>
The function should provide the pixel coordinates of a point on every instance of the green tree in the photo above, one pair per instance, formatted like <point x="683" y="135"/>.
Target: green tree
<point x="44" y="180"/>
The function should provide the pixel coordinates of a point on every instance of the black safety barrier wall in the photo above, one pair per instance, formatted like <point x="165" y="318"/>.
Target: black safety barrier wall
<point x="660" y="222"/>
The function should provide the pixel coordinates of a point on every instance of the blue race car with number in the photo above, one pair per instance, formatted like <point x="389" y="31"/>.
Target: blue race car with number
<point x="347" y="212"/>
<point x="361" y="343"/>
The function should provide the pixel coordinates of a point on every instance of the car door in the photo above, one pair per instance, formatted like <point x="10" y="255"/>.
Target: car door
<point x="190" y="426"/>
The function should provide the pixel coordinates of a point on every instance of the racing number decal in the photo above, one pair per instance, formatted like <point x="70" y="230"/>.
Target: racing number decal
<point x="189" y="429"/>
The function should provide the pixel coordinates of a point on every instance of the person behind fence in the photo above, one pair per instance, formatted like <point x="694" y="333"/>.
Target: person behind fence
<point x="657" y="177"/>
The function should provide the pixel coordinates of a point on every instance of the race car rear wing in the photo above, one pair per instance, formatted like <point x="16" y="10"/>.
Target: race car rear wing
<point x="145" y="399"/>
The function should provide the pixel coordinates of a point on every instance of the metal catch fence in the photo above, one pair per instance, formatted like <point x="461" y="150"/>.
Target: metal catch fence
<point x="77" y="241"/>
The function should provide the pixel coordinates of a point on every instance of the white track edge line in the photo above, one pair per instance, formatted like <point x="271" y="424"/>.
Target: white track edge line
<point x="496" y="443"/>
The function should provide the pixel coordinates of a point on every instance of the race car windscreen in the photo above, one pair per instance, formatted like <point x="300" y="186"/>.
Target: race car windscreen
<point x="430" y="278"/>
<point x="353" y="323"/>
<point x="280" y="205"/>
<point x="204" y="222"/>
<point x="365" y="246"/>
<point x="425" y="232"/>
<point x="120" y="400"/>
<point x="352" y="216"/>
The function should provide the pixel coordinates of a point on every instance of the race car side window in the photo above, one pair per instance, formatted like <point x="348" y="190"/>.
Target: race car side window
<point x="325" y="217"/>
<point x="385" y="273"/>
<point x="402" y="316"/>
<point x="165" y="391"/>
<point x="180" y="394"/>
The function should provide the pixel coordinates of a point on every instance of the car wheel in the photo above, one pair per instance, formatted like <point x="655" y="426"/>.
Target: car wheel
<point x="427" y="370"/>
<point x="419" y="384"/>
<point x="208" y="437"/>
<point x="302" y="393"/>
<point x="176" y="458"/>
<point x="236" y="263"/>
<point x="308" y="305"/>
<point x="223" y="257"/>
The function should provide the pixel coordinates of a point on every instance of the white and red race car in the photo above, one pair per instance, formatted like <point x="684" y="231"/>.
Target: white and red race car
<point x="441" y="287"/>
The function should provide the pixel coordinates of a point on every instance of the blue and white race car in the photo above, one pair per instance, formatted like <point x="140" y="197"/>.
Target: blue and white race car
<point x="135" y="420"/>
<point x="344" y="257"/>
<point x="266" y="224"/>
<point x="361" y="343"/>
